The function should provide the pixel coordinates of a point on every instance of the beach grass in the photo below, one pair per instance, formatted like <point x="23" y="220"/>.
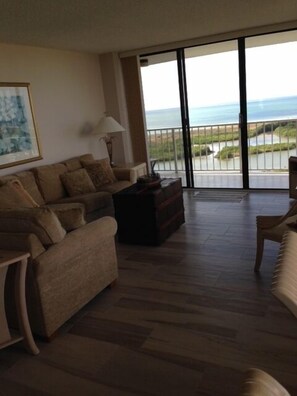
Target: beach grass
<point x="234" y="151"/>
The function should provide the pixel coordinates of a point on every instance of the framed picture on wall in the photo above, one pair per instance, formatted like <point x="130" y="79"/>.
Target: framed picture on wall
<point x="18" y="135"/>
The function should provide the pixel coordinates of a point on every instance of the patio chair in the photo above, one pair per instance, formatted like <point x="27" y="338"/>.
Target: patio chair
<point x="273" y="228"/>
<point x="258" y="382"/>
<point x="284" y="283"/>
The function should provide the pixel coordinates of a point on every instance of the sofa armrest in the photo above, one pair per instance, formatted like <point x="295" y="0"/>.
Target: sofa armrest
<point x="122" y="173"/>
<point x="39" y="221"/>
<point x="21" y="241"/>
<point x="79" y="243"/>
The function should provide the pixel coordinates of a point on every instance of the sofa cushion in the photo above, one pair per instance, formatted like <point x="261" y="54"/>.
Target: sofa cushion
<point x="92" y="201"/>
<point x="49" y="182"/>
<point x="70" y="215"/>
<point x="77" y="182"/>
<point x="29" y="183"/>
<point x="6" y="178"/>
<point x="86" y="158"/>
<point x="18" y="186"/>
<point x="13" y="195"/>
<point x="39" y="221"/>
<point x="72" y="164"/>
<point x="100" y="172"/>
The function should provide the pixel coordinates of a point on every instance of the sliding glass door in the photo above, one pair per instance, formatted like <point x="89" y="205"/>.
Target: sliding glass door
<point x="271" y="64"/>
<point x="224" y="115"/>
<point x="163" y="114"/>
<point x="213" y="101"/>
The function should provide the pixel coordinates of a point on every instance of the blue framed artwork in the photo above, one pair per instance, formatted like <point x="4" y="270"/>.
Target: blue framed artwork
<point x="18" y="135"/>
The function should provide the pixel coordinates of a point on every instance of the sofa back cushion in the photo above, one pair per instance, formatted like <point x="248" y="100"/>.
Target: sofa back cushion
<point x="85" y="157"/>
<point x="13" y="195"/>
<point x="7" y="178"/>
<point x="39" y="221"/>
<point x="72" y="164"/>
<point x="75" y="163"/>
<point x="49" y="182"/>
<point x="29" y="183"/>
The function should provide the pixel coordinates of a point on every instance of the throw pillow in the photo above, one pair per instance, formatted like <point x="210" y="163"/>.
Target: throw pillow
<point x="13" y="196"/>
<point x="70" y="215"/>
<point x="100" y="172"/>
<point x="77" y="182"/>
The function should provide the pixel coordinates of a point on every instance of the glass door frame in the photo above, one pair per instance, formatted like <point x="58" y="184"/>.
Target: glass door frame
<point x="180" y="55"/>
<point x="181" y="67"/>
<point x="243" y="114"/>
<point x="243" y="117"/>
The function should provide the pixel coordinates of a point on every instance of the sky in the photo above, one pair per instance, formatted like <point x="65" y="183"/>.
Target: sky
<point x="213" y="79"/>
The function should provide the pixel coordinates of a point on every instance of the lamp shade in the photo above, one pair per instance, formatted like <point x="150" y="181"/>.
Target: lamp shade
<point x="107" y="125"/>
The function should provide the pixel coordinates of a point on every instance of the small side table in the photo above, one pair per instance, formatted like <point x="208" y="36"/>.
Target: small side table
<point x="19" y="259"/>
<point x="136" y="169"/>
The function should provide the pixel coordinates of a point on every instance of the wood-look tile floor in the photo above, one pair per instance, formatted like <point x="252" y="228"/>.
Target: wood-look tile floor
<point x="186" y="318"/>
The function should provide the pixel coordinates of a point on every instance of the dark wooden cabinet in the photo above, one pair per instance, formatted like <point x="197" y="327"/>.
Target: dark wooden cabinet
<point x="148" y="216"/>
<point x="293" y="177"/>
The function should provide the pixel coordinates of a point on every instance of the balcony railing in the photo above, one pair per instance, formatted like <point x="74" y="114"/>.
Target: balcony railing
<point x="217" y="147"/>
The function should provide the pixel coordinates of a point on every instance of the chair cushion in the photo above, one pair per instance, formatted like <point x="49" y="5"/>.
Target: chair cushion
<point x="276" y="233"/>
<point x="100" y="172"/>
<point x="77" y="182"/>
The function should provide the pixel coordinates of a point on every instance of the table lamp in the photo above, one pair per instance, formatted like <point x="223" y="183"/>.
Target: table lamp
<point x="107" y="125"/>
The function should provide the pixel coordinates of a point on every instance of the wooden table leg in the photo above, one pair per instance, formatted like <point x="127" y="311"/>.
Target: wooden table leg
<point x="4" y="331"/>
<point x="20" y="297"/>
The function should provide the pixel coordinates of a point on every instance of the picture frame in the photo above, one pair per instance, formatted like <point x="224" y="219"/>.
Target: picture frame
<point x="19" y="141"/>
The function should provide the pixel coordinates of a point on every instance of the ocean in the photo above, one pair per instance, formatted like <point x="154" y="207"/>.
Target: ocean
<point x="281" y="108"/>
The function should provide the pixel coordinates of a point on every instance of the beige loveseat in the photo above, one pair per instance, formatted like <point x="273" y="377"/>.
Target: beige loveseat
<point x="65" y="272"/>
<point x="72" y="259"/>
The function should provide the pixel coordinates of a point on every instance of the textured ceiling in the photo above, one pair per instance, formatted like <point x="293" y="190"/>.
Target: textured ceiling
<point x="121" y="25"/>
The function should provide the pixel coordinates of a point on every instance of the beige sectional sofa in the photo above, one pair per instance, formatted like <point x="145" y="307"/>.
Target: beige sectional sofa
<point x="45" y="186"/>
<point x="70" y="239"/>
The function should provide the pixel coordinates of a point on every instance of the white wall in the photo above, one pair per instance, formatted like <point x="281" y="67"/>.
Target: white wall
<point x="67" y="98"/>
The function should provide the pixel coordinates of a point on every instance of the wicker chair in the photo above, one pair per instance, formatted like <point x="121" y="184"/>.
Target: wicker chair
<point x="260" y="383"/>
<point x="273" y="228"/>
<point x="284" y="287"/>
<point x="284" y="283"/>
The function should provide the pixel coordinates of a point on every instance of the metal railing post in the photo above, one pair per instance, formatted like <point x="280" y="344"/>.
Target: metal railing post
<point x="174" y="151"/>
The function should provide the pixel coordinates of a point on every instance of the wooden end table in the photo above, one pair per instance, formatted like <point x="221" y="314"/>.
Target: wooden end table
<point x="19" y="259"/>
<point x="136" y="169"/>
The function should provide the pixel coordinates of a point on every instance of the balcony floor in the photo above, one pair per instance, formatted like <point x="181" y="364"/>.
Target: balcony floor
<point x="233" y="180"/>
